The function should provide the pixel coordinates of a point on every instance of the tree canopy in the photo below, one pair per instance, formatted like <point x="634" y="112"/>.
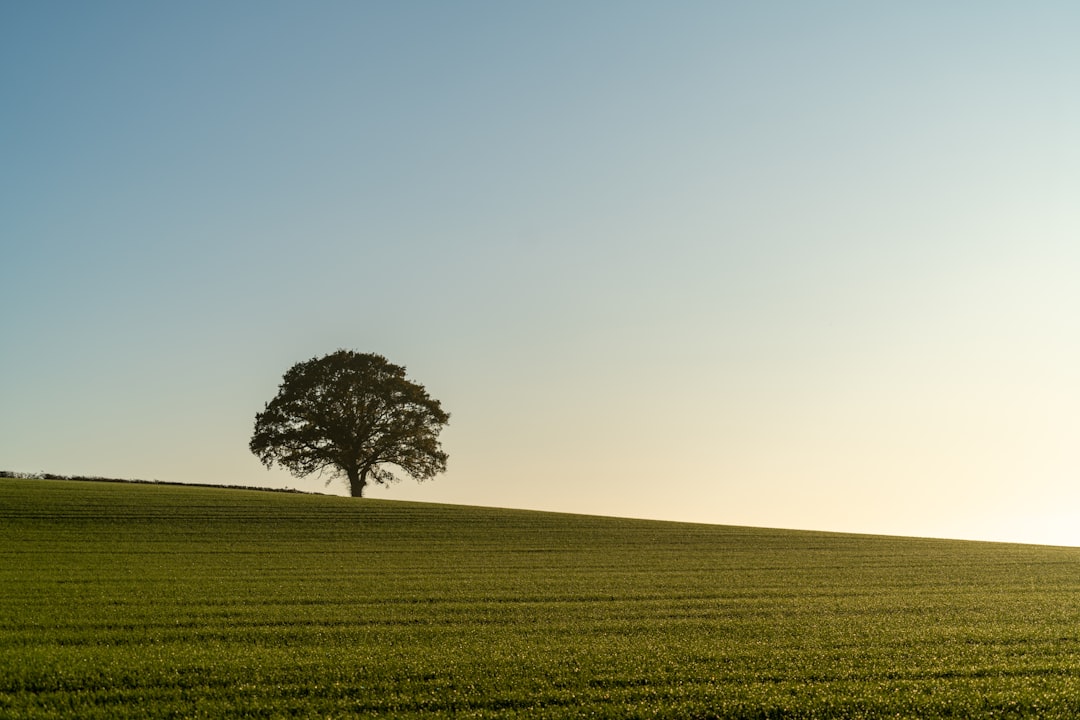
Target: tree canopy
<point x="351" y="414"/>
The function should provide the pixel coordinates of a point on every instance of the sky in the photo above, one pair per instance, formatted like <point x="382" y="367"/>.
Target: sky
<point x="778" y="264"/>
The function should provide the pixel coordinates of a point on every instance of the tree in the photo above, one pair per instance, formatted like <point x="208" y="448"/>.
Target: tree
<point x="352" y="414"/>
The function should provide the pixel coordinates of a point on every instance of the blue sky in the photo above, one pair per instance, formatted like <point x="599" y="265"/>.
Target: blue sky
<point x="804" y="265"/>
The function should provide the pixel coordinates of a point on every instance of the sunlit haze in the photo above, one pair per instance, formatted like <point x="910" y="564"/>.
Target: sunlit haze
<point x="796" y="265"/>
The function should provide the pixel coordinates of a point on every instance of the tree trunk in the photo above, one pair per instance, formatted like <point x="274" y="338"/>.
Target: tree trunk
<point x="357" y="481"/>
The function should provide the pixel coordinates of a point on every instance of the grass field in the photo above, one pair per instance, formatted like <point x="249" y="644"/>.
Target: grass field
<point x="133" y="601"/>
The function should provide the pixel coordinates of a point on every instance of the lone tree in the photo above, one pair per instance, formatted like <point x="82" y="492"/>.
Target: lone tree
<point x="353" y="414"/>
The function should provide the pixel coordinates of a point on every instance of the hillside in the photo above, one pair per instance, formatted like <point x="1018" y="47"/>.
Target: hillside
<point x="163" y="601"/>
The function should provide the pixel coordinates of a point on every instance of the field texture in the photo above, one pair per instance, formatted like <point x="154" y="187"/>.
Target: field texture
<point x="136" y="601"/>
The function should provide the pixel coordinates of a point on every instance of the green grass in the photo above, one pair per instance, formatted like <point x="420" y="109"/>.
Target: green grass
<point x="140" y="601"/>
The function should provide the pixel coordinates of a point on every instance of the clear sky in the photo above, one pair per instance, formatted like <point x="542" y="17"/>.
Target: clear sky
<point x="804" y="265"/>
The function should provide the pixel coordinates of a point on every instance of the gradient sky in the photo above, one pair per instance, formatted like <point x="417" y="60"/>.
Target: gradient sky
<point x="803" y="265"/>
